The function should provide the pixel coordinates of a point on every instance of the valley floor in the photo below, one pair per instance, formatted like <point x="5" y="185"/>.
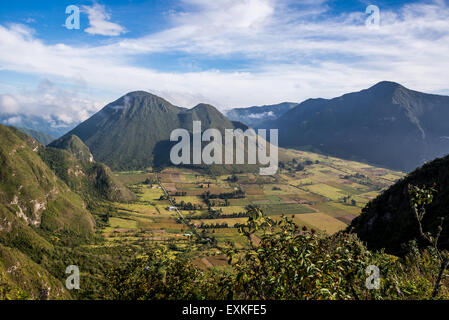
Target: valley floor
<point x="318" y="192"/>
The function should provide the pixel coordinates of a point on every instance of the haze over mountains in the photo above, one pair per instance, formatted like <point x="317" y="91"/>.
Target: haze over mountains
<point x="255" y="116"/>
<point x="44" y="125"/>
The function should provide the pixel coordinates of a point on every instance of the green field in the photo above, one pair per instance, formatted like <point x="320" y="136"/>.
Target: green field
<point x="326" y="194"/>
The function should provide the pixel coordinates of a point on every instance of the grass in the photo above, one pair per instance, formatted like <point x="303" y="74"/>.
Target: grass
<point x="233" y="209"/>
<point x="287" y="209"/>
<point x="191" y="199"/>
<point x="326" y="191"/>
<point x="123" y="223"/>
<point x="336" y="209"/>
<point x="321" y="221"/>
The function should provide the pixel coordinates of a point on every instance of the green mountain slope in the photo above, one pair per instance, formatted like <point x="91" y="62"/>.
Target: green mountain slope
<point x="124" y="133"/>
<point x="40" y="136"/>
<point x="32" y="192"/>
<point x="387" y="124"/>
<point x="75" y="146"/>
<point x="388" y="221"/>
<point x="22" y="278"/>
<point x="73" y="163"/>
<point x="35" y="205"/>
<point x="134" y="131"/>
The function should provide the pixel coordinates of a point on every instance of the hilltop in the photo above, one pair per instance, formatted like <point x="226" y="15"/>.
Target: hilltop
<point x="73" y="162"/>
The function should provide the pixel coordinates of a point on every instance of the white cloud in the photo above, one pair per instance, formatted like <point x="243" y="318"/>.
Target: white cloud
<point x="261" y="115"/>
<point x="8" y="104"/>
<point x="228" y="14"/>
<point x="184" y="99"/>
<point x="98" y="21"/>
<point x="297" y="55"/>
<point x="58" y="106"/>
<point x="13" y="121"/>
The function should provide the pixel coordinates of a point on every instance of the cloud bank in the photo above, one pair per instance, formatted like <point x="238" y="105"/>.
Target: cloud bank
<point x="292" y="55"/>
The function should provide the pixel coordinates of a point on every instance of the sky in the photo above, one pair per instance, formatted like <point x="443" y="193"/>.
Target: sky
<point x="228" y="53"/>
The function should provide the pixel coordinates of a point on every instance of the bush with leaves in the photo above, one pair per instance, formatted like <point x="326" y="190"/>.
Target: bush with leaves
<point x="292" y="263"/>
<point x="8" y="293"/>
<point x="162" y="276"/>
<point x="288" y="262"/>
<point x="284" y="262"/>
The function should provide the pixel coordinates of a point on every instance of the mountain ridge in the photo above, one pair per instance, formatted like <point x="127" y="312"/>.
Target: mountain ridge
<point x="36" y="207"/>
<point x="73" y="163"/>
<point x="389" y="222"/>
<point x="386" y="124"/>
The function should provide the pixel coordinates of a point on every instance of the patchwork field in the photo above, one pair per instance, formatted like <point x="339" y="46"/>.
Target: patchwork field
<point x="318" y="192"/>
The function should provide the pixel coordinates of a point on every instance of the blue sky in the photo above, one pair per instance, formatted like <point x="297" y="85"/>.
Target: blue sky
<point x="230" y="53"/>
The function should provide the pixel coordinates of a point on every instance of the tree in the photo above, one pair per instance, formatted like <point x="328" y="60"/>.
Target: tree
<point x="420" y="198"/>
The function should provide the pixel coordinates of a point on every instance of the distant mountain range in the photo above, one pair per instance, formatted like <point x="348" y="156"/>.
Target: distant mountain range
<point x="255" y="116"/>
<point x="50" y="126"/>
<point x="387" y="125"/>
<point x="40" y="136"/>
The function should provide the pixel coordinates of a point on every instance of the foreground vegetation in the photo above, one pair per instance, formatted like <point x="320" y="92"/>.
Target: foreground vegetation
<point x="288" y="262"/>
<point x="277" y="259"/>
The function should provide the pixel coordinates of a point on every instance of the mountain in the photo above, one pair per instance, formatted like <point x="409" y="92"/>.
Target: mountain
<point x="32" y="193"/>
<point x="133" y="132"/>
<point x="75" y="146"/>
<point x="48" y="125"/>
<point x="40" y="136"/>
<point x="389" y="222"/>
<point x="387" y="124"/>
<point x="73" y="163"/>
<point x="257" y="115"/>
<point x="35" y="206"/>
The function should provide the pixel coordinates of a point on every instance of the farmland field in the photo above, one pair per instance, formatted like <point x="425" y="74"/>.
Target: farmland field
<point x="317" y="191"/>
